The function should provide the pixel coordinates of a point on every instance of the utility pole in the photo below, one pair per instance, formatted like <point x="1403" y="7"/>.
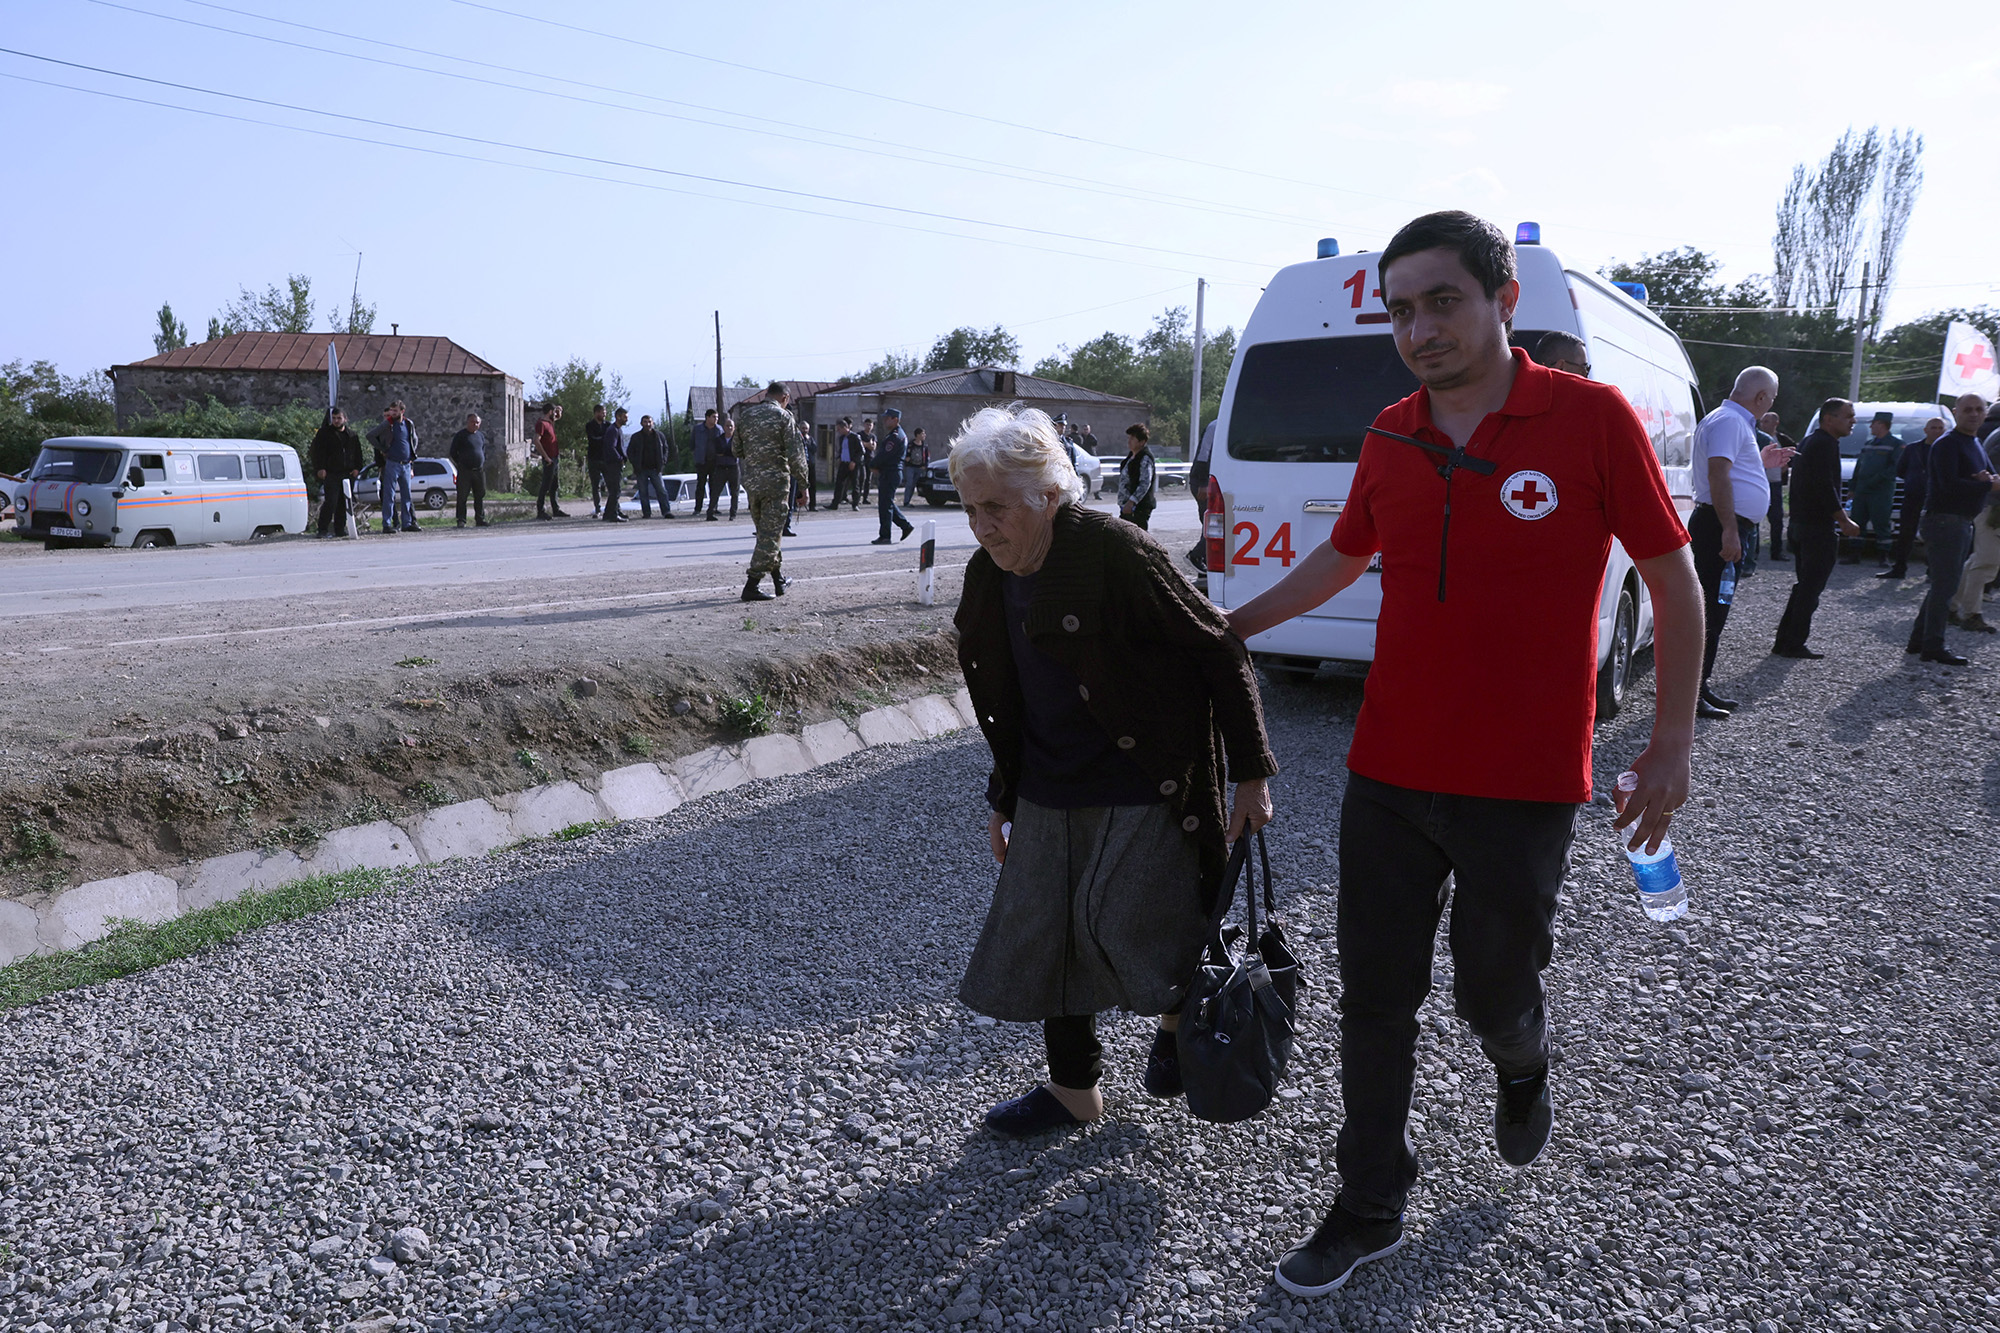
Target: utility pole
<point x="1860" y="336"/>
<point x="1194" y="409"/>
<point x="718" y="369"/>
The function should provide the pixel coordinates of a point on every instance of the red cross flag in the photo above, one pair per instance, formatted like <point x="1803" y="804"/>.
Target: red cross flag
<point x="1969" y="364"/>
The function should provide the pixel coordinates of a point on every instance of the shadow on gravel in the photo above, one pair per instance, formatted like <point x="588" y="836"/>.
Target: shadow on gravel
<point x="584" y="616"/>
<point x="888" y="1258"/>
<point x="788" y="911"/>
<point x="1875" y="704"/>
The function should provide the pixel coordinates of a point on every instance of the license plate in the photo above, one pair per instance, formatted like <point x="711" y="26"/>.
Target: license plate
<point x="65" y="532"/>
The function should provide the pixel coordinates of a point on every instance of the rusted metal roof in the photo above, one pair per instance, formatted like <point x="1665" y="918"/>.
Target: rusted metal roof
<point x="985" y="382"/>
<point x="360" y="354"/>
<point x="702" y="397"/>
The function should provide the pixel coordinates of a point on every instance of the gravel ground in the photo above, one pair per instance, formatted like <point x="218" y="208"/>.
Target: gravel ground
<point x="708" y="1073"/>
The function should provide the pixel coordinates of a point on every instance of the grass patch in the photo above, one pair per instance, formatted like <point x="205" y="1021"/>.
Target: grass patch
<point x="418" y="662"/>
<point x="32" y="842"/>
<point x="133" y="947"/>
<point x="584" y="830"/>
<point x="431" y="794"/>
<point x="637" y="744"/>
<point x="749" y="716"/>
<point x="531" y="761"/>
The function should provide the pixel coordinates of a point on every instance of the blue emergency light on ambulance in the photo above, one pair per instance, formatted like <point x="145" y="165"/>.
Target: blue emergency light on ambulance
<point x="1329" y="248"/>
<point x="1528" y="233"/>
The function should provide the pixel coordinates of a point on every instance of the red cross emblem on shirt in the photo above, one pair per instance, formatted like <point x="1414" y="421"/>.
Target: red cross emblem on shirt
<point x="1974" y="361"/>
<point x="1529" y="494"/>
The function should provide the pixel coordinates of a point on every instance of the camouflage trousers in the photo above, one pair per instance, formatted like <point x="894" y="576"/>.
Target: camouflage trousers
<point x="768" y="511"/>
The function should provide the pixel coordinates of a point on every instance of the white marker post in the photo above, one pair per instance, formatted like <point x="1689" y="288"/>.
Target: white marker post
<point x="927" y="565"/>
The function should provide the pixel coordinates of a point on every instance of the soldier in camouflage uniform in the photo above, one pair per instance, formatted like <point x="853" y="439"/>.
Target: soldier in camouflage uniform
<point x="773" y="461"/>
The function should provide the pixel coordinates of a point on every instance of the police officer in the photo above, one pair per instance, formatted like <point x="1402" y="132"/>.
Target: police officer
<point x="889" y="453"/>
<point x="1875" y="488"/>
<point x="772" y="458"/>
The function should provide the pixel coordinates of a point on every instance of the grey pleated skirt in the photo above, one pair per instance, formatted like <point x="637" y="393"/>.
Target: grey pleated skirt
<point x="1097" y="908"/>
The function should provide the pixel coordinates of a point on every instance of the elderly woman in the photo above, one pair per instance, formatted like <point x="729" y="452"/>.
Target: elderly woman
<point x="1111" y="693"/>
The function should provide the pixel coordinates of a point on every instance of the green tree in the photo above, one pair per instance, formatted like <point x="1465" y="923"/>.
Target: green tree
<point x="579" y="386"/>
<point x="892" y="365"/>
<point x="1157" y="368"/>
<point x="39" y="403"/>
<point x="172" y="335"/>
<point x="965" y="347"/>
<point x="272" y="310"/>
<point x="217" y="329"/>
<point x="1726" y="328"/>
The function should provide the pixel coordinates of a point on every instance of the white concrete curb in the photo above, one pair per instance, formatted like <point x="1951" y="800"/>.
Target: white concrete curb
<point x="469" y="828"/>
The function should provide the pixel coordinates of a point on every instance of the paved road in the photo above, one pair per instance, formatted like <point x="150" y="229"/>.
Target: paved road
<point x="40" y="583"/>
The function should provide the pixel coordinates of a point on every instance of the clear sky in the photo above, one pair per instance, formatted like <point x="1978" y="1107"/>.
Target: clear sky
<point x="843" y="179"/>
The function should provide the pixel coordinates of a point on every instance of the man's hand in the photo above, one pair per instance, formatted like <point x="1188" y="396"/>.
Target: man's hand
<point x="1732" y="544"/>
<point x="1848" y="527"/>
<point x="1251" y="809"/>
<point x="1663" y="788"/>
<point x="1776" y="455"/>
<point x="996" y="834"/>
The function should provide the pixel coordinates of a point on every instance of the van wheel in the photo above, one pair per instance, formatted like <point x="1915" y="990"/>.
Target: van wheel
<point x="433" y="499"/>
<point x="269" y="530"/>
<point x="1615" y="676"/>
<point x="148" y="540"/>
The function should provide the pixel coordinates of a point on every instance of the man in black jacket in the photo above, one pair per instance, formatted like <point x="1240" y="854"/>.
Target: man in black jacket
<point x="593" y="457"/>
<point x="1816" y="513"/>
<point x="648" y="454"/>
<point x="335" y="455"/>
<point x="1961" y="480"/>
<point x="468" y="456"/>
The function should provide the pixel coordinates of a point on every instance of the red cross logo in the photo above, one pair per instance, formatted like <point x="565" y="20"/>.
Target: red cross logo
<point x="1974" y="361"/>
<point x="1529" y="495"/>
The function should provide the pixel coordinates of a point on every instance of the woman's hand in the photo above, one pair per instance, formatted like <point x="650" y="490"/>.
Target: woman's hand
<point x="1251" y="809"/>
<point x="996" y="834"/>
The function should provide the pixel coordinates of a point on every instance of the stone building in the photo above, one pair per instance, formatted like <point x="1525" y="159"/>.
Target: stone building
<point x="941" y="400"/>
<point x="438" y="381"/>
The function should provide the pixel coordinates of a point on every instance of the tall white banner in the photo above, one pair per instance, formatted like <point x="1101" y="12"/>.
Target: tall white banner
<point x="332" y="378"/>
<point x="1970" y="365"/>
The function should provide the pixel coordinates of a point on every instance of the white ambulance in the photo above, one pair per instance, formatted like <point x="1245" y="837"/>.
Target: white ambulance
<point x="118" y="491"/>
<point x="1317" y="363"/>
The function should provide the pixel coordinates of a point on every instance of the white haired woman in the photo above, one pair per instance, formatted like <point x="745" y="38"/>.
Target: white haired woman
<point x="1111" y="694"/>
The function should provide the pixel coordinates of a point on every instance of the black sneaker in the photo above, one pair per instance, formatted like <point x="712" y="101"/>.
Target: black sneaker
<point x="1163" y="1066"/>
<point x="1342" y="1244"/>
<point x="1036" y="1112"/>
<point x="1522" y="1118"/>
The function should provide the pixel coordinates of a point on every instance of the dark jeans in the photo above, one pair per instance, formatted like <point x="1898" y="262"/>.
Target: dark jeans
<point x="846" y="482"/>
<point x="1777" y="520"/>
<point x="1076" y="1057"/>
<point x="648" y="486"/>
<point x="720" y="475"/>
<point x="545" y="494"/>
<point x="1705" y="536"/>
<point x="1907" y="520"/>
<point x="885" y="498"/>
<point x="605" y="485"/>
<point x="596" y="467"/>
<point x="1947" y="543"/>
<point x="1396" y="848"/>
<point x="1817" y="552"/>
<point x="472" y="483"/>
<point x="333" y="507"/>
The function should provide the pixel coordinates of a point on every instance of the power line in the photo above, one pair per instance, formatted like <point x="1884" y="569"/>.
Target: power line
<point x="983" y="166"/>
<point x="626" y="166"/>
<point x="1766" y="347"/>
<point x="1010" y="324"/>
<point x="606" y="180"/>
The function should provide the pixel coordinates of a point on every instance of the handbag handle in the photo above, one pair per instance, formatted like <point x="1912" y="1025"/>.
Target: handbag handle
<point x="1238" y="866"/>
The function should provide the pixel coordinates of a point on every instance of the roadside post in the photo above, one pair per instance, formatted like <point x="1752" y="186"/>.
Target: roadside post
<point x="927" y="565"/>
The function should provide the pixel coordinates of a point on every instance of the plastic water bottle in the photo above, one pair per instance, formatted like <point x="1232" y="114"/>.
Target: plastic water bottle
<point x="1725" y="591"/>
<point x="1662" y="893"/>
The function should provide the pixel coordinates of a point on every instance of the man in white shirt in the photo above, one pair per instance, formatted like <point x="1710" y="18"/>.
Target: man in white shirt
<point x="1732" y="491"/>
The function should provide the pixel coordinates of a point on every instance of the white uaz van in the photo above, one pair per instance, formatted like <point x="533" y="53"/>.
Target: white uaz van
<point x="120" y="491"/>
<point x="1317" y="363"/>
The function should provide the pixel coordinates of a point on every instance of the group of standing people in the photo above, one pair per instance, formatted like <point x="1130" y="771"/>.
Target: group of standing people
<point x="335" y="459"/>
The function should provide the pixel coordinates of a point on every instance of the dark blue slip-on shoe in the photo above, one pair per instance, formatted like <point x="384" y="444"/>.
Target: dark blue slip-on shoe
<point x="1163" y="1066"/>
<point x="1024" y="1117"/>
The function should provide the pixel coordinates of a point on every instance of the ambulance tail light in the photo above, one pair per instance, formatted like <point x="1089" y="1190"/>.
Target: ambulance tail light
<point x="1215" y="528"/>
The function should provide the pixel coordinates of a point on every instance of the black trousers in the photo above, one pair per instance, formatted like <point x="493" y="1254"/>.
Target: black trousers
<point x="1705" y="537"/>
<point x="1817" y="552"/>
<point x="596" y="467"/>
<point x="812" y="478"/>
<point x="545" y="494"/>
<point x="1076" y="1057"/>
<point x="1777" y="520"/>
<point x="472" y="483"/>
<point x="604" y="486"/>
<point x="847" y="482"/>
<point x="1907" y="519"/>
<point x="1397" y="846"/>
<point x="889" y="479"/>
<point x="720" y="475"/>
<point x="333" y="507"/>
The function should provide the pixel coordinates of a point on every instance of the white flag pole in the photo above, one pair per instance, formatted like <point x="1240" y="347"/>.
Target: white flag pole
<point x="927" y="565"/>
<point x="332" y="378"/>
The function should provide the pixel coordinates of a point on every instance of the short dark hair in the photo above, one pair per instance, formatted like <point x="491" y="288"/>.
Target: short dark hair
<point x="1482" y="247"/>
<point x="1559" y="346"/>
<point x="598" y="408"/>
<point x="1836" y="404"/>
<point x="708" y="413"/>
<point x="776" y="387"/>
<point x="1138" y="432"/>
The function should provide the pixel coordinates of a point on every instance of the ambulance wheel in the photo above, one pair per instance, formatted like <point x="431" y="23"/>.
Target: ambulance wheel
<point x="146" y="541"/>
<point x="1615" y="676"/>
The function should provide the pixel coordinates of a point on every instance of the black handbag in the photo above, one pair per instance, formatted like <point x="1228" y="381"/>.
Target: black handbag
<point x="1235" y="1035"/>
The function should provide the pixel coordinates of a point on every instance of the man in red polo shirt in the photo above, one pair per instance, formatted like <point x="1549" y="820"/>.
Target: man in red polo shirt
<point x="1472" y="751"/>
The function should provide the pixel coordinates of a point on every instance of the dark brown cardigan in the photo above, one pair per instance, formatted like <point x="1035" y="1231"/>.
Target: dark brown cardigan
<point x="1160" y="670"/>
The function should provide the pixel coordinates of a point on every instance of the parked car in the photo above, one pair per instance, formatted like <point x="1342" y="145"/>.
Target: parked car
<point x="101" y="491"/>
<point x="936" y="488"/>
<point x="433" y="484"/>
